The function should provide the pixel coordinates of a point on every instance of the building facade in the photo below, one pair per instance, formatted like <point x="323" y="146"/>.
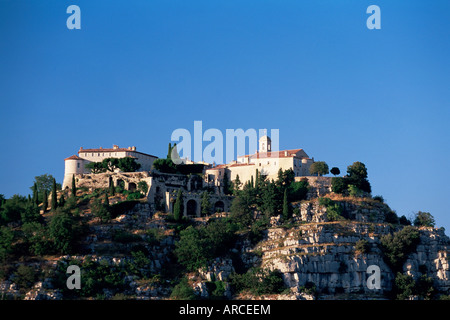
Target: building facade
<point x="76" y="164"/>
<point x="266" y="161"/>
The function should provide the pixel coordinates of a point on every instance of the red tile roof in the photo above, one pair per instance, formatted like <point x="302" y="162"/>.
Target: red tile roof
<point x="113" y="150"/>
<point x="275" y="154"/>
<point x="74" y="157"/>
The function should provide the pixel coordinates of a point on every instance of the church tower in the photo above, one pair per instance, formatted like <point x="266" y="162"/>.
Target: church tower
<point x="265" y="144"/>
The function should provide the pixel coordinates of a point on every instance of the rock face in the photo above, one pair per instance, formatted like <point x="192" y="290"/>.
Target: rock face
<point x="322" y="252"/>
<point x="309" y="251"/>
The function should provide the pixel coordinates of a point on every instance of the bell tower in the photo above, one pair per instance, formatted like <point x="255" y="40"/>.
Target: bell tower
<point x="265" y="144"/>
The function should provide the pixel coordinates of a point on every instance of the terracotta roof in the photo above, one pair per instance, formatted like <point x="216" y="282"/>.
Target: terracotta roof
<point x="74" y="157"/>
<point x="242" y="164"/>
<point x="113" y="150"/>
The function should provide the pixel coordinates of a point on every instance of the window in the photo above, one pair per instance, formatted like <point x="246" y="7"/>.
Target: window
<point x="78" y="165"/>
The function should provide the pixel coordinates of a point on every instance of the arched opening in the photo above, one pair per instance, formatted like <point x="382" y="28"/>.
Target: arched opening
<point x="132" y="186"/>
<point x="191" y="208"/>
<point x="120" y="185"/>
<point x="219" y="206"/>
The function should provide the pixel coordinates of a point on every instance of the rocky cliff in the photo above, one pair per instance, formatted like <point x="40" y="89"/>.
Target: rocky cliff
<point x="319" y="256"/>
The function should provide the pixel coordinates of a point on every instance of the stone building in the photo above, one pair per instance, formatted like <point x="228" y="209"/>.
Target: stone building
<point x="266" y="161"/>
<point x="76" y="163"/>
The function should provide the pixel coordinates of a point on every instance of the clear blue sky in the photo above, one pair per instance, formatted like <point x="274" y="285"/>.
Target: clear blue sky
<point x="137" y="70"/>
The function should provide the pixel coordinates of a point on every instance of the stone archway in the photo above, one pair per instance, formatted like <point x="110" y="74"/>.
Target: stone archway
<point x="191" y="208"/>
<point x="219" y="206"/>
<point x="132" y="186"/>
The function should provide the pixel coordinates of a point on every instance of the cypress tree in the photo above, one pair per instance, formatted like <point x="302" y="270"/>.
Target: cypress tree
<point x="169" y="150"/>
<point x="205" y="204"/>
<point x="35" y="197"/>
<point x="177" y="209"/>
<point x="106" y="200"/>
<point x="111" y="186"/>
<point x="285" y="206"/>
<point x="62" y="201"/>
<point x="45" y="201"/>
<point x="54" y="203"/>
<point x="74" y="187"/>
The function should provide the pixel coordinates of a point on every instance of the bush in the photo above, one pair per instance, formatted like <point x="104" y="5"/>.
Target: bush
<point x="25" y="276"/>
<point x="379" y="199"/>
<point x="396" y="247"/>
<point x="199" y="245"/>
<point x="183" y="291"/>
<point x="125" y="237"/>
<point x="391" y="217"/>
<point x="339" y="185"/>
<point x="424" y="219"/>
<point x="405" y="287"/>
<point x="334" y="210"/>
<point x="96" y="276"/>
<point x="362" y="246"/>
<point x="258" y="281"/>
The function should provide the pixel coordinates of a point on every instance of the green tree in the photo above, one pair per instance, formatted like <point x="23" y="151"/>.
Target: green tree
<point x="35" y="197"/>
<point x="45" y="201"/>
<point x="269" y="199"/>
<point x="339" y="185"/>
<point x="74" y="187"/>
<point x="143" y="187"/>
<point x="404" y="286"/>
<point x="183" y="291"/>
<point x="44" y="182"/>
<point x="111" y="186"/>
<point x="226" y="183"/>
<point x="397" y="246"/>
<point x="101" y="210"/>
<point x="424" y="219"/>
<point x="128" y="164"/>
<point x="96" y="167"/>
<point x="286" y="208"/>
<point x="12" y="208"/>
<point x="178" y="206"/>
<point x="62" y="232"/>
<point x="319" y="168"/>
<point x="335" y="171"/>
<point x="357" y="176"/>
<point x="62" y="201"/>
<point x="298" y="190"/>
<point x="30" y="213"/>
<point x="6" y="241"/>
<point x="205" y="204"/>
<point x="54" y="203"/>
<point x="236" y="185"/>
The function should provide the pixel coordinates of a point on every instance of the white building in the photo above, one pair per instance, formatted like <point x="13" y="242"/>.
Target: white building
<point x="76" y="163"/>
<point x="266" y="161"/>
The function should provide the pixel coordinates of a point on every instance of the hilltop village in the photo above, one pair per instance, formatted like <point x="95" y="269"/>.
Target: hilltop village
<point x="163" y="184"/>
<point x="269" y="225"/>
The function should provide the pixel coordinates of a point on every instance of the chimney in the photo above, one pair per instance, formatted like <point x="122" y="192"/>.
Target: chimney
<point x="81" y="148"/>
<point x="115" y="147"/>
<point x="133" y="148"/>
<point x="285" y="153"/>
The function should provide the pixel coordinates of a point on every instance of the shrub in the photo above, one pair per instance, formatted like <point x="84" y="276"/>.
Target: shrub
<point x="258" y="281"/>
<point x="379" y="199"/>
<point x="25" y="276"/>
<point x="362" y="246"/>
<point x="339" y="185"/>
<point x="200" y="244"/>
<point x="391" y="217"/>
<point x="404" y="221"/>
<point x="424" y="219"/>
<point x="183" y="291"/>
<point x="397" y="246"/>
<point x="125" y="237"/>
<point x="405" y="287"/>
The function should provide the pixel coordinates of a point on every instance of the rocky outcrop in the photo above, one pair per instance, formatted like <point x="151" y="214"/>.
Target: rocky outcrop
<point x="317" y="251"/>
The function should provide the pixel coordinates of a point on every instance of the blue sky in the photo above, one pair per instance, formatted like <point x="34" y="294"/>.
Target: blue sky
<point x="137" y="70"/>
